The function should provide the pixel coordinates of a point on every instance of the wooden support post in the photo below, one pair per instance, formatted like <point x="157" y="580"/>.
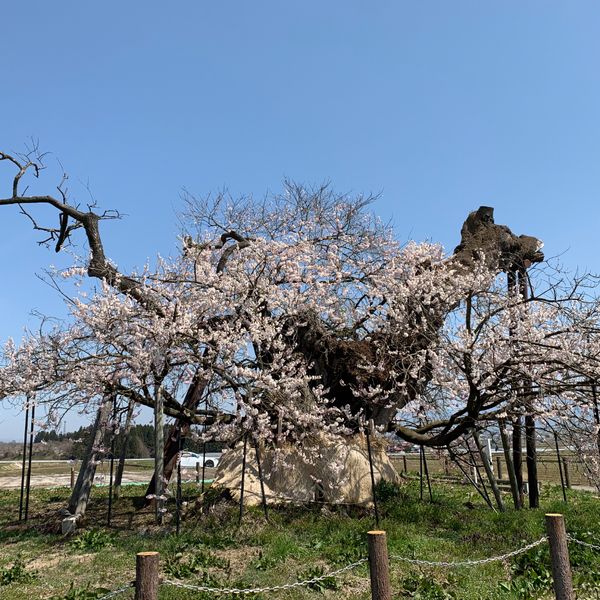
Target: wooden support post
<point x="404" y="464"/>
<point x="379" y="566"/>
<point x="421" y="472"/>
<point x="559" y="555"/>
<point x="243" y="478"/>
<point x="113" y="429"/>
<point x="72" y="477"/>
<point x="488" y="471"/>
<point x="499" y="467"/>
<point x="370" y="427"/>
<point x="197" y="472"/>
<point x="426" y="469"/>
<point x="566" y="471"/>
<point x="203" y="465"/>
<point x="178" y="502"/>
<point x="560" y="470"/>
<point x="146" y="576"/>
<point x="262" y="483"/>
<point x="514" y="486"/>
<point x="123" y="454"/>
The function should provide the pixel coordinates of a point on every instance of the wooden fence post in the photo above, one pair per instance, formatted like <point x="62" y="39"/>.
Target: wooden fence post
<point x="566" y="471"/>
<point x="498" y="467"/>
<point x="146" y="576"/>
<point x="559" y="555"/>
<point x="72" y="477"/>
<point x="379" y="566"/>
<point x="197" y="472"/>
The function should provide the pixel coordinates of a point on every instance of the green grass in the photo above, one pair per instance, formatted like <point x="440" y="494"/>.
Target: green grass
<point x="297" y="543"/>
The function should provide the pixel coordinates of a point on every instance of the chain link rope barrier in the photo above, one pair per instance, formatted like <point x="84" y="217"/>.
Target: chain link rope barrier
<point x="116" y="593"/>
<point x="582" y="543"/>
<point x="470" y="563"/>
<point x="275" y="588"/>
<point x="347" y="568"/>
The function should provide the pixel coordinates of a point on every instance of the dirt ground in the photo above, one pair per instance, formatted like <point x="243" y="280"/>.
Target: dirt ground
<point x="12" y="479"/>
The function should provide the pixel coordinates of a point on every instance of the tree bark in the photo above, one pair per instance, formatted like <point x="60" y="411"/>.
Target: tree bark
<point x="158" y="454"/>
<point x="123" y="454"/>
<point x="510" y="467"/>
<point x="191" y="402"/>
<point x="487" y="465"/>
<point x="82" y="490"/>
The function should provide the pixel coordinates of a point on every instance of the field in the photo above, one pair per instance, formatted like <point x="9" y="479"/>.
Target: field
<point x="548" y="471"/>
<point x="297" y="543"/>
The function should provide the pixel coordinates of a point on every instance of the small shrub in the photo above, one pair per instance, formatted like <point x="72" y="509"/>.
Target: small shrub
<point x="82" y="593"/>
<point x="327" y="583"/>
<point x="264" y="563"/>
<point x="531" y="575"/>
<point x="92" y="540"/>
<point x="425" y="587"/>
<point x="190" y="561"/>
<point x="17" y="573"/>
<point x="387" y="490"/>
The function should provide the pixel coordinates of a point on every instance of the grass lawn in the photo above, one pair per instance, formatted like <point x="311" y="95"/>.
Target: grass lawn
<point x="297" y="544"/>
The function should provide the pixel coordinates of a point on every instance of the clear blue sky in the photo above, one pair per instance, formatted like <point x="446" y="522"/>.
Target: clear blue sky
<point x="441" y="106"/>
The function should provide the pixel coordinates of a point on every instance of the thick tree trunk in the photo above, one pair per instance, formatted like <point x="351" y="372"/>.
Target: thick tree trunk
<point x="532" y="477"/>
<point x="517" y="441"/>
<point x="596" y="414"/>
<point x="83" y="487"/>
<point x="335" y="470"/>
<point x="123" y="454"/>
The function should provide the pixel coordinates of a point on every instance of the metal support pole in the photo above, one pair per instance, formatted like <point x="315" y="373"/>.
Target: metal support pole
<point x="24" y="459"/>
<point x="28" y="482"/>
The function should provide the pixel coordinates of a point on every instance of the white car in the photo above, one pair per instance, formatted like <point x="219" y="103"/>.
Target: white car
<point x="190" y="459"/>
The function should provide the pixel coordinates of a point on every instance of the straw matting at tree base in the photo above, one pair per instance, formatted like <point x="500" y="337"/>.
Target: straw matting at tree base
<point x="332" y="470"/>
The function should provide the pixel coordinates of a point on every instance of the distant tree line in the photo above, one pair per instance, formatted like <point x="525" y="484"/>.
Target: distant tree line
<point x="140" y="441"/>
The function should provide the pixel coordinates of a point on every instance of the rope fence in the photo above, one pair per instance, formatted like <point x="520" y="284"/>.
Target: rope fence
<point x="148" y="582"/>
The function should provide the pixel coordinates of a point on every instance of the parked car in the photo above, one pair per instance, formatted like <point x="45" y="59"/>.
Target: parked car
<point x="190" y="459"/>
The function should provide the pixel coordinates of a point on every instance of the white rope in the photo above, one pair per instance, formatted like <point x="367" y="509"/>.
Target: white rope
<point x="581" y="543"/>
<point x="470" y="563"/>
<point x="276" y="588"/>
